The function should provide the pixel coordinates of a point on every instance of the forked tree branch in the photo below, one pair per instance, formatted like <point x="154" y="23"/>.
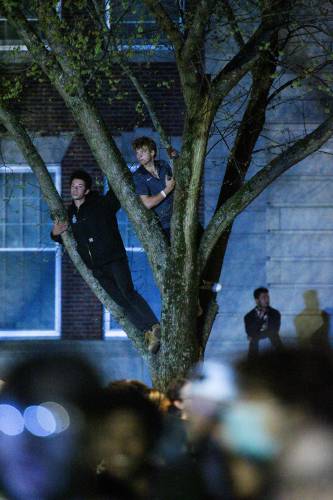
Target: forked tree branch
<point x="228" y="10"/>
<point x="166" y="23"/>
<point x="260" y="181"/>
<point x="273" y="17"/>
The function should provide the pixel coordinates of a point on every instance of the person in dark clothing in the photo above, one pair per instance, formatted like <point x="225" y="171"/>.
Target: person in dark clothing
<point x="92" y="217"/>
<point x="129" y="428"/>
<point x="154" y="181"/>
<point x="262" y="322"/>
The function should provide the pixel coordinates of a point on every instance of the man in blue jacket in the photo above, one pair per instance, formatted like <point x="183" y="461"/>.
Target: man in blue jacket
<point x="153" y="181"/>
<point x="92" y="217"/>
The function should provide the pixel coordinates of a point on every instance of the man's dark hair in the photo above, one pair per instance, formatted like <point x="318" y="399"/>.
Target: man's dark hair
<point x="140" y="142"/>
<point x="258" y="291"/>
<point x="131" y="398"/>
<point x="83" y="176"/>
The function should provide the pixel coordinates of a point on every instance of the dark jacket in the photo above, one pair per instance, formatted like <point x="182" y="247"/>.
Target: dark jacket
<point x="254" y="324"/>
<point x="95" y="229"/>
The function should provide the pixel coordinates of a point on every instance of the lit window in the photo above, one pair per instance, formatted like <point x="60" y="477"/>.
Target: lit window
<point x="133" y="28"/>
<point x="29" y="261"/>
<point x="9" y="38"/>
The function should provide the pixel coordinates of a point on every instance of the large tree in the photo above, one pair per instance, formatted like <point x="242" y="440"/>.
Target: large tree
<point x="267" y="51"/>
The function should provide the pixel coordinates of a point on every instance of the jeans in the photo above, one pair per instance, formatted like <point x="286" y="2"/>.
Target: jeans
<point x="115" y="278"/>
<point x="254" y="343"/>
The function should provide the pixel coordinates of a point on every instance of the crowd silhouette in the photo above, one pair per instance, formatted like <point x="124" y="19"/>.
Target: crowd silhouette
<point x="256" y="429"/>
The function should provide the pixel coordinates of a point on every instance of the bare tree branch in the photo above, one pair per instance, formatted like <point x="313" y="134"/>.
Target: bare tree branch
<point x="149" y="106"/>
<point x="196" y="35"/>
<point x="273" y="17"/>
<point x="239" y="65"/>
<point x="166" y="23"/>
<point x="239" y="160"/>
<point x="190" y="70"/>
<point x="233" y="23"/>
<point x="135" y="81"/>
<point x="251" y="189"/>
<point x="298" y="79"/>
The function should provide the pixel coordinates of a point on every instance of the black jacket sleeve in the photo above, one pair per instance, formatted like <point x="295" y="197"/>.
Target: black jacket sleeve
<point x="274" y="321"/>
<point x="57" y="239"/>
<point x="252" y="324"/>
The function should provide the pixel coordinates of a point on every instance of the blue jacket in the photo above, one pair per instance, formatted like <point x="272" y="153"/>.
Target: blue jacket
<point x="147" y="184"/>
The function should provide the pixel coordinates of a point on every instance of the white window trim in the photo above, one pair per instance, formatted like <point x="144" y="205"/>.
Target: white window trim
<point x="40" y="334"/>
<point x="23" y="48"/>
<point x="116" y="333"/>
<point x="136" y="47"/>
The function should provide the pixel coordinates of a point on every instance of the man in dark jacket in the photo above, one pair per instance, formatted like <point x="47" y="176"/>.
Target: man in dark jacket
<point x="262" y="322"/>
<point x="92" y="217"/>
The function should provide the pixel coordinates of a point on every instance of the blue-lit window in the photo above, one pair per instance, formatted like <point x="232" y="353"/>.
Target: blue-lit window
<point x="29" y="261"/>
<point x="9" y="38"/>
<point x="134" y="28"/>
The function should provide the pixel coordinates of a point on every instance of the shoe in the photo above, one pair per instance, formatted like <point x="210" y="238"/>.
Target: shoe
<point x="152" y="338"/>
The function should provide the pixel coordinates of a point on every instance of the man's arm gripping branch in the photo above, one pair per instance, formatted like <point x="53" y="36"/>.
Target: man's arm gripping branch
<point x="59" y="228"/>
<point x="153" y="201"/>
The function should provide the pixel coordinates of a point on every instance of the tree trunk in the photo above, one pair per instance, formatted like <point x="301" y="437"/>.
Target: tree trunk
<point x="180" y="348"/>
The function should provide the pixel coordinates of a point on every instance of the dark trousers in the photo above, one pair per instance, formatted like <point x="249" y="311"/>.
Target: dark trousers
<point x="254" y="343"/>
<point x="115" y="277"/>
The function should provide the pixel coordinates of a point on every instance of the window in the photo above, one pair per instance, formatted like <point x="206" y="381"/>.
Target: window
<point x="134" y="28"/>
<point x="29" y="263"/>
<point x="142" y="275"/>
<point x="9" y="38"/>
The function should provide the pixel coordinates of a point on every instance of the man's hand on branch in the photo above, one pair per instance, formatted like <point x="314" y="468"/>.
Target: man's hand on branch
<point x="59" y="228"/>
<point x="172" y="153"/>
<point x="169" y="184"/>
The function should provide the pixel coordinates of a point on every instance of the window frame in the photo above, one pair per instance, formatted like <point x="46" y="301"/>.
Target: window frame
<point x="22" y="47"/>
<point x="10" y="168"/>
<point x="109" y="333"/>
<point x="144" y="47"/>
